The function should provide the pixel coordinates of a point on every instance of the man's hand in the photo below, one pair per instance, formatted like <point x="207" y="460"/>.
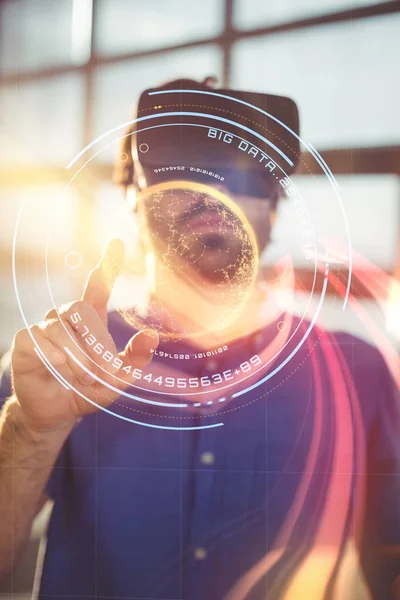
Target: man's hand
<point x="75" y="341"/>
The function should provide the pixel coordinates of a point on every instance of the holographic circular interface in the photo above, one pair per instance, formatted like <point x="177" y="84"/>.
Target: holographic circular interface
<point x="198" y="270"/>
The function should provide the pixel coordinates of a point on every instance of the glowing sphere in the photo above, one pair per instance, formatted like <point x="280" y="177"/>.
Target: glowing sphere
<point x="202" y="260"/>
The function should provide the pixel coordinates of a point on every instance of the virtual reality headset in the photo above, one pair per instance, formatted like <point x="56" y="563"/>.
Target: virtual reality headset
<point x="189" y="131"/>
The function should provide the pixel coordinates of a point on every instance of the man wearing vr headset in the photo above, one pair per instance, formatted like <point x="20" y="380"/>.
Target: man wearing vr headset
<point x="196" y="514"/>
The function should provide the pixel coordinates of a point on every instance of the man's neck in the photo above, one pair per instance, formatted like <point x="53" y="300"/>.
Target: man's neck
<point x="258" y="311"/>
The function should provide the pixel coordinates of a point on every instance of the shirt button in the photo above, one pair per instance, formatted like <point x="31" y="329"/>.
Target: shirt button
<point x="207" y="458"/>
<point x="200" y="553"/>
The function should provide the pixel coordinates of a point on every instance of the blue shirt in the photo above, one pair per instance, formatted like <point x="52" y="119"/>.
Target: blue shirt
<point x="147" y="513"/>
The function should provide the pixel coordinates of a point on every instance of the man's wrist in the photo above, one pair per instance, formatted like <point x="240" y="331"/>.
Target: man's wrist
<point x="32" y="429"/>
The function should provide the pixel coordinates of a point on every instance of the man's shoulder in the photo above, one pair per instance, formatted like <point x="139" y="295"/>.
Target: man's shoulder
<point x="367" y="369"/>
<point x="360" y="354"/>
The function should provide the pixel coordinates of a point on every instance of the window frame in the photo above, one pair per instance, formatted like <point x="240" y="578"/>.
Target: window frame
<point x="342" y="161"/>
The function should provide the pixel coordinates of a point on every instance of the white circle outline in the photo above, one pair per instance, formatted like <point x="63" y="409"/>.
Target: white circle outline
<point x="327" y="171"/>
<point x="192" y="394"/>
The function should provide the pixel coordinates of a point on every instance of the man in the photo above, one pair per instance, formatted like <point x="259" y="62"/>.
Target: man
<point x="268" y="505"/>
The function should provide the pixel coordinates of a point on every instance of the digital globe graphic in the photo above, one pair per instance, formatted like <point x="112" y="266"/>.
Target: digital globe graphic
<point x="199" y="267"/>
<point x="205" y="260"/>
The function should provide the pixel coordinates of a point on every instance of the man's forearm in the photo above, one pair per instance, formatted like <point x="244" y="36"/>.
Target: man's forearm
<point x="27" y="456"/>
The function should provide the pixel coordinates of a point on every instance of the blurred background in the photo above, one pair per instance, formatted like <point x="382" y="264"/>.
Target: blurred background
<point x="72" y="69"/>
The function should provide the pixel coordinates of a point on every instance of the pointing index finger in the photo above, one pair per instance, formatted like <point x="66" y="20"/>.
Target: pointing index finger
<point x="102" y="278"/>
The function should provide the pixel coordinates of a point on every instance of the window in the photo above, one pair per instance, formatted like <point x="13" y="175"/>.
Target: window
<point x="259" y="13"/>
<point x="340" y="75"/>
<point x="57" y="92"/>
<point x="117" y="87"/>
<point x="42" y="121"/>
<point x="44" y="207"/>
<point x="35" y="34"/>
<point x="371" y="204"/>
<point x="133" y="25"/>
